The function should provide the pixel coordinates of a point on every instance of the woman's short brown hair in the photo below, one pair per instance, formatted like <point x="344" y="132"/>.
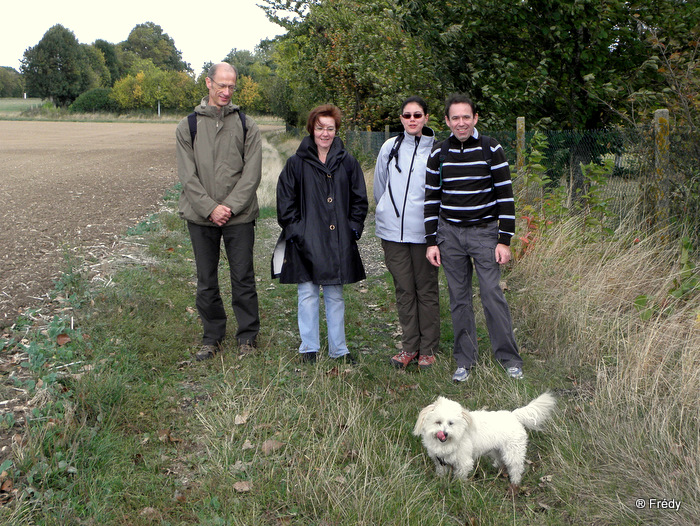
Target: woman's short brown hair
<point x="324" y="110"/>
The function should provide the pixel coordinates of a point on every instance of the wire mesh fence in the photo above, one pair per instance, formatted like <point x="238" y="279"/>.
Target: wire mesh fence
<point x="647" y="174"/>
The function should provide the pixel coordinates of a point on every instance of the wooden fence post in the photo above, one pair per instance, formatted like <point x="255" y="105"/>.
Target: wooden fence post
<point x="661" y="163"/>
<point x="387" y="133"/>
<point x="520" y="146"/>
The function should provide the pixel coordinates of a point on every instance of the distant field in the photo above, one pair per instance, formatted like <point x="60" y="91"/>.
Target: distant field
<point x="17" y="105"/>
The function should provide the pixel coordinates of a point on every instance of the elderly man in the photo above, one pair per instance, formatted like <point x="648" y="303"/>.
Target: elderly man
<point x="219" y="161"/>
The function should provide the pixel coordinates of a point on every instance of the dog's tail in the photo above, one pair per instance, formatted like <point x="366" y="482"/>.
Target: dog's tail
<point x="536" y="412"/>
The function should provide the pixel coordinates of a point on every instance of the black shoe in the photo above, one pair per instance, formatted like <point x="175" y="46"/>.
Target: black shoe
<point x="206" y="352"/>
<point x="348" y="359"/>
<point x="308" y="357"/>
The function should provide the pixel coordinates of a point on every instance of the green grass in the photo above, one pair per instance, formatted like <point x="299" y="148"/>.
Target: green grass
<point x="137" y="432"/>
<point x="17" y="105"/>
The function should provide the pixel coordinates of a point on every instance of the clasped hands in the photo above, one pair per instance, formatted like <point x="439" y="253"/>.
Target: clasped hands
<point x="220" y="215"/>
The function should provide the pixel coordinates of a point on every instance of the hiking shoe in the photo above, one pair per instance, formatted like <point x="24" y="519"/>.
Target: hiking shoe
<point x="515" y="372"/>
<point x="402" y="359"/>
<point x="246" y="348"/>
<point x="461" y="374"/>
<point x="206" y="352"/>
<point x="426" y="361"/>
<point x="309" y="357"/>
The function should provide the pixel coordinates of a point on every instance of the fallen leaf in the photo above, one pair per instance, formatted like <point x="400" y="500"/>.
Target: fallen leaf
<point x="149" y="513"/>
<point x="270" y="446"/>
<point x="62" y="339"/>
<point x="241" y="419"/>
<point x="247" y="445"/>
<point x="165" y="436"/>
<point x="179" y="496"/>
<point x="242" y="486"/>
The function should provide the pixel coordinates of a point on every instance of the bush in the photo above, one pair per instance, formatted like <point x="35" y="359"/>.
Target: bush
<point x="94" y="100"/>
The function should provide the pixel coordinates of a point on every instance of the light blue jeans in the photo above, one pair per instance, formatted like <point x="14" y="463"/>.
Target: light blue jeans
<point x="308" y="318"/>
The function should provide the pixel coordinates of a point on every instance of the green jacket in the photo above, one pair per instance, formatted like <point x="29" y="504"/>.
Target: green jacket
<point x="214" y="171"/>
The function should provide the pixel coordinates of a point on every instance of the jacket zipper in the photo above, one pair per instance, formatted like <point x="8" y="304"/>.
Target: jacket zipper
<point x="408" y="184"/>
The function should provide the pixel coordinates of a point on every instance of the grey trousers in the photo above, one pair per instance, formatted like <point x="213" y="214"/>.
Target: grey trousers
<point x="417" y="295"/>
<point x="238" y="243"/>
<point x="463" y="249"/>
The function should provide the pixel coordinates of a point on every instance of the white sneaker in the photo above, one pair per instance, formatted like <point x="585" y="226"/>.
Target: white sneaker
<point x="461" y="374"/>
<point x="515" y="372"/>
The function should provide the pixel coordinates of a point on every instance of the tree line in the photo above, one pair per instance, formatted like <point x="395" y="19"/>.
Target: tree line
<point x="567" y="64"/>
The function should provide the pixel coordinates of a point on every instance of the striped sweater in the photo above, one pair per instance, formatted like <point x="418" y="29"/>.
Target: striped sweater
<point x="466" y="192"/>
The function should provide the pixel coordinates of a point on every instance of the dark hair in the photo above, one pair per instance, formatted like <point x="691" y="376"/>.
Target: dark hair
<point x="418" y="100"/>
<point x="324" y="110"/>
<point x="458" y="98"/>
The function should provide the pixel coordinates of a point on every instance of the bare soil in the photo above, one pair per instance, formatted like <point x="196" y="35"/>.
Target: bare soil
<point x="72" y="187"/>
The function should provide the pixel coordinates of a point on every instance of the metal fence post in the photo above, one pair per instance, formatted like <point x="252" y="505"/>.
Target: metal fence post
<point x="520" y="146"/>
<point x="661" y="164"/>
<point x="387" y="133"/>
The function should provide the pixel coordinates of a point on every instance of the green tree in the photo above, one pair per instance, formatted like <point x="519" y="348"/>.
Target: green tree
<point x="11" y="84"/>
<point x="109" y="52"/>
<point x="148" y="41"/>
<point x="243" y="59"/>
<point x="54" y="68"/>
<point x="96" y="72"/>
<point x="145" y="88"/>
<point x="356" y="55"/>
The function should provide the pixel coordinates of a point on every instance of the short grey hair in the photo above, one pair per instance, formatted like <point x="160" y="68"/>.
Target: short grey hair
<point x="212" y="70"/>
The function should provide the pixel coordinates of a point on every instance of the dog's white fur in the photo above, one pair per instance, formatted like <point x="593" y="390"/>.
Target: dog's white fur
<point x="455" y="437"/>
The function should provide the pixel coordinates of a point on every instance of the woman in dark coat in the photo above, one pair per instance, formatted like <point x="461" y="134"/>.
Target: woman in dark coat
<point x="321" y="207"/>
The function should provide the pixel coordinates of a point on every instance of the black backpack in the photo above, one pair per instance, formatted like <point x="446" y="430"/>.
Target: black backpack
<point x="192" y="121"/>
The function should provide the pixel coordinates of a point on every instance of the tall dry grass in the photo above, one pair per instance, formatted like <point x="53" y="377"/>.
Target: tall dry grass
<point x="639" y="436"/>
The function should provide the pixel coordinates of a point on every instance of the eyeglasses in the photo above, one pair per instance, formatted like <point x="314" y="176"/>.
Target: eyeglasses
<point x="329" y="129"/>
<point x="415" y="115"/>
<point x="222" y="87"/>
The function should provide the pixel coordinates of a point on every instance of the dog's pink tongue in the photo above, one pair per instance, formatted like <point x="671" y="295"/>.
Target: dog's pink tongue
<point x="441" y="436"/>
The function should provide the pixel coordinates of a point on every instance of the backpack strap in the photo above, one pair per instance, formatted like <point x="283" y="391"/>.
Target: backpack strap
<point x="486" y="149"/>
<point x="394" y="153"/>
<point x="444" y="150"/>
<point x="192" y="121"/>
<point x="241" y="116"/>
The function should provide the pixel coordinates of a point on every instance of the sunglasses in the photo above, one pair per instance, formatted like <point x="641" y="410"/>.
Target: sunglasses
<point x="415" y="115"/>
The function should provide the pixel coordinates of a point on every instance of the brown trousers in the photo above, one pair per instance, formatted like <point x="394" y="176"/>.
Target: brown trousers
<point x="417" y="295"/>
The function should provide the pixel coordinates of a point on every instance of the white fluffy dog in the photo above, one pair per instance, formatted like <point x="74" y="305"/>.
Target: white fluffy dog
<point x="455" y="437"/>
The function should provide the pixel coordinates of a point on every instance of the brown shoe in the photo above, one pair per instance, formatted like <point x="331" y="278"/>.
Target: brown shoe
<point x="206" y="352"/>
<point x="402" y="359"/>
<point x="246" y="348"/>
<point x="426" y="361"/>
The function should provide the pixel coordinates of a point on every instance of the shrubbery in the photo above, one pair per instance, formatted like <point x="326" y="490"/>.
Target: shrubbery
<point x="94" y="100"/>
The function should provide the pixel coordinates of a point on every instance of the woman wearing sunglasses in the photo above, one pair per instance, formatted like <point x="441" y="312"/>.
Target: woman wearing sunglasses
<point x="399" y="190"/>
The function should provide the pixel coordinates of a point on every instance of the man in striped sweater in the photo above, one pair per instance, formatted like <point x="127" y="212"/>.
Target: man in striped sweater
<point x="469" y="221"/>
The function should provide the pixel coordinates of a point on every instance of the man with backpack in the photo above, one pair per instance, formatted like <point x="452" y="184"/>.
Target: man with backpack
<point x="219" y="162"/>
<point x="399" y="190"/>
<point x="469" y="222"/>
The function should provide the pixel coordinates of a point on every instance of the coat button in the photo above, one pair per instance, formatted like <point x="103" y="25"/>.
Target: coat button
<point x="330" y="199"/>
<point x="332" y="227"/>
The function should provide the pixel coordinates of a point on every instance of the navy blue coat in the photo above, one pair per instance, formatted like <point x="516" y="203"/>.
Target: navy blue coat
<point x="321" y="209"/>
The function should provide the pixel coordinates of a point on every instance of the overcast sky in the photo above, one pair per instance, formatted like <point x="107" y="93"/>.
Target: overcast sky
<point x="200" y="33"/>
